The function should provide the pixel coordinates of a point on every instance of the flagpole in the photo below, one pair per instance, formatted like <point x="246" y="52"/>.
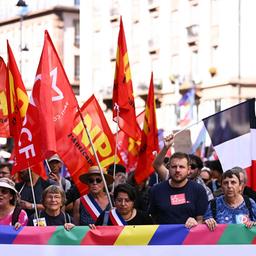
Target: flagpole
<point x="116" y="107"/>
<point x="97" y="158"/>
<point x="187" y="127"/>
<point x="33" y="195"/>
<point x="48" y="166"/>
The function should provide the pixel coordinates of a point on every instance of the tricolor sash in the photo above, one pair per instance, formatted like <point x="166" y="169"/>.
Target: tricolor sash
<point x="91" y="206"/>
<point x="116" y="219"/>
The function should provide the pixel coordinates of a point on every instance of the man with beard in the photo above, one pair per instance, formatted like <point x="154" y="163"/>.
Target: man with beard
<point x="178" y="200"/>
<point x="195" y="163"/>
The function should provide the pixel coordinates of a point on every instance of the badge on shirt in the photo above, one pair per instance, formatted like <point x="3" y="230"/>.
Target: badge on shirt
<point x="241" y="219"/>
<point x="41" y="222"/>
<point x="178" y="199"/>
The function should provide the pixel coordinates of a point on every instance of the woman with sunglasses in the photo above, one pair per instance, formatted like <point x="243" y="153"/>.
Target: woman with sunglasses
<point x="10" y="213"/>
<point x="124" y="212"/>
<point x="88" y="207"/>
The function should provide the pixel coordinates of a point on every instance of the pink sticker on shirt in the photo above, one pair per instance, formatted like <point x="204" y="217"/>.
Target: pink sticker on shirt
<point x="178" y="199"/>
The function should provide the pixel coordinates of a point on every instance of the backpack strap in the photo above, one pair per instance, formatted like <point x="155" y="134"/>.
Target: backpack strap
<point x="248" y="204"/>
<point x="213" y="208"/>
<point x="67" y="218"/>
<point x="16" y="214"/>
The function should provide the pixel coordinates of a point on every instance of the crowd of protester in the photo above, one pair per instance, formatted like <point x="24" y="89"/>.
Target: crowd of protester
<point x="187" y="191"/>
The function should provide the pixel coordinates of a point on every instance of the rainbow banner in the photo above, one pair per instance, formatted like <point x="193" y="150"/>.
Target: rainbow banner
<point x="128" y="240"/>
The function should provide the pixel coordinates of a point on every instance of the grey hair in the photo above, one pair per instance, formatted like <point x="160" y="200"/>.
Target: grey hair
<point x="238" y="170"/>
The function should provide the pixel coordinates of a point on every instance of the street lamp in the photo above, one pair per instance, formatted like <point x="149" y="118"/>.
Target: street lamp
<point x="22" y="4"/>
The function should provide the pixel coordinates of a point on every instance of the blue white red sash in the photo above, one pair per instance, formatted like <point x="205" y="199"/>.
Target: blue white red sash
<point x="91" y="206"/>
<point x="116" y="219"/>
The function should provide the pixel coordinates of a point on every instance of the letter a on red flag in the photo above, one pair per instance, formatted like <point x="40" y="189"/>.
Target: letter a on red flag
<point x="123" y="100"/>
<point x="52" y="105"/>
<point x="149" y="139"/>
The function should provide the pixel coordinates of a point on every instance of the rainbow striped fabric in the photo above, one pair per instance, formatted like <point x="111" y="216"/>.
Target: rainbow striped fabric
<point x="129" y="235"/>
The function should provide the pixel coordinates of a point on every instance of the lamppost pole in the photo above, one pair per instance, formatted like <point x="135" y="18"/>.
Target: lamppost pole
<point x="21" y="3"/>
<point x="21" y="21"/>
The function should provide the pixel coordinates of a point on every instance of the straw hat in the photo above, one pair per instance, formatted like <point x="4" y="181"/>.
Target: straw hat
<point x="95" y="170"/>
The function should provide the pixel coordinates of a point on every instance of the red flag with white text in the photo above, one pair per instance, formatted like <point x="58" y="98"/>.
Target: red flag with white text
<point x="52" y="108"/>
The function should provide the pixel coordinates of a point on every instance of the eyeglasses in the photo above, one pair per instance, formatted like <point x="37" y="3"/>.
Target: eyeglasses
<point x="4" y="191"/>
<point x="121" y="200"/>
<point x="193" y="166"/>
<point x="92" y="181"/>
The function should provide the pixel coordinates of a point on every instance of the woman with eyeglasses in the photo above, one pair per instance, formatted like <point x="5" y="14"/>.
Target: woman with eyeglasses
<point x="53" y="200"/>
<point x="10" y="213"/>
<point x="124" y="212"/>
<point x="88" y="207"/>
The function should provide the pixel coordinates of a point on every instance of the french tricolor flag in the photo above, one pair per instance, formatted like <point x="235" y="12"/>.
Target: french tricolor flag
<point x="91" y="206"/>
<point x="116" y="219"/>
<point x="233" y="135"/>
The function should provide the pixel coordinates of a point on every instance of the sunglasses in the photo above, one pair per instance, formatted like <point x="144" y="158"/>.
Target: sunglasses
<point x="92" y="181"/>
<point x="4" y="191"/>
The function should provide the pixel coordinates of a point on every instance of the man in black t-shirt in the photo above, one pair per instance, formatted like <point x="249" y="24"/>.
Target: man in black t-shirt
<point x="178" y="200"/>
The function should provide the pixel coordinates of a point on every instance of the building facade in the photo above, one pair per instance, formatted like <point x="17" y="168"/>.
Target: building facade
<point x="24" y="28"/>
<point x="205" y="45"/>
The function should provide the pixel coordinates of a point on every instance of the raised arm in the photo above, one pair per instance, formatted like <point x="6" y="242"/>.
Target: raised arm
<point x="158" y="163"/>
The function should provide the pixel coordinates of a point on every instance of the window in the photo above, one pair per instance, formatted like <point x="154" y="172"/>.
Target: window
<point x="214" y="12"/>
<point x="217" y="105"/>
<point x="195" y="66"/>
<point x="77" y="33"/>
<point x="77" y="2"/>
<point x="77" y="68"/>
<point x="214" y="55"/>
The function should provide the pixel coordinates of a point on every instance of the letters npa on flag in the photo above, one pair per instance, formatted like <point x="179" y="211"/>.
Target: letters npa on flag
<point x="149" y="139"/>
<point x="52" y="105"/>
<point x="78" y="154"/>
<point x="4" y="121"/>
<point x="123" y="100"/>
<point x="233" y="135"/>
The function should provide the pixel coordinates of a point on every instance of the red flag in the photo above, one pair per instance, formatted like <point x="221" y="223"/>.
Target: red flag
<point x="39" y="169"/>
<point x="17" y="97"/>
<point x="50" y="113"/>
<point x="4" y="122"/>
<point x="78" y="155"/>
<point x="129" y="148"/>
<point x="149" y="139"/>
<point x="123" y="100"/>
